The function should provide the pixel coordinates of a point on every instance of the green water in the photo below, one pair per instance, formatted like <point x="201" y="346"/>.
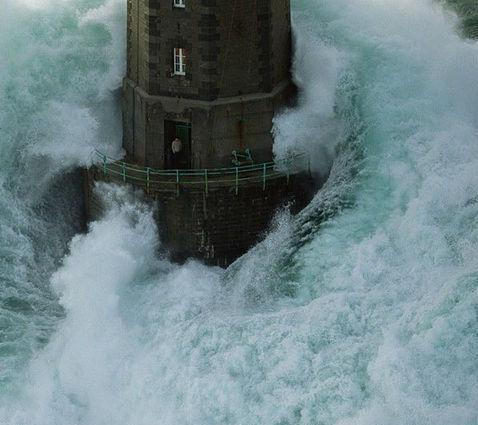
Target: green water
<point x="363" y="310"/>
<point x="468" y="11"/>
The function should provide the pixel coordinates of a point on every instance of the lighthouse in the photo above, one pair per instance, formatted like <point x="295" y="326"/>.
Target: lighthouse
<point x="204" y="80"/>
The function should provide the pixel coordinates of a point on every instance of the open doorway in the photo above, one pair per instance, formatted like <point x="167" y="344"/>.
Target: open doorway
<point x="182" y="131"/>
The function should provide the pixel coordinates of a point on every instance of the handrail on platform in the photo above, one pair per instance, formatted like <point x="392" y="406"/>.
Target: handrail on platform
<point x="172" y="180"/>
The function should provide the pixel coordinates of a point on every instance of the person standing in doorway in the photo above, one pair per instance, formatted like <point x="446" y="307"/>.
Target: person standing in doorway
<point x="176" y="148"/>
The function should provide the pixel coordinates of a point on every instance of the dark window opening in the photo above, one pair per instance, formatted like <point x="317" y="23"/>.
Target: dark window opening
<point x="177" y="145"/>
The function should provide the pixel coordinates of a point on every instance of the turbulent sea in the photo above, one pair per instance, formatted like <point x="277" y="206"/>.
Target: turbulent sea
<point x="362" y="310"/>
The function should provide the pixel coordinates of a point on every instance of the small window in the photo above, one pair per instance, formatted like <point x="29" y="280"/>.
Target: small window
<point x="179" y="3"/>
<point x="179" y="61"/>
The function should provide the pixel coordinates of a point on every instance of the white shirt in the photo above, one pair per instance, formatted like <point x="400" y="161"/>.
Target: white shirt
<point x="176" y="146"/>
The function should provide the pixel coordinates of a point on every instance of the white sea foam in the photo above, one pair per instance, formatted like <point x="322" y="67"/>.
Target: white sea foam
<point x="372" y="321"/>
<point x="61" y="66"/>
<point x="55" y="108"/>
<point x="312" y="127"/>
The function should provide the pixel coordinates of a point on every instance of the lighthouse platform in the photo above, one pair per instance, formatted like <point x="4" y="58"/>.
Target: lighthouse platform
<point x="214" y="215"/>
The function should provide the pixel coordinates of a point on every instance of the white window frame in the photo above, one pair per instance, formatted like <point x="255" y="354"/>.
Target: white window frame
<point x="179" y="61"/>
<point x="179" y="3"/>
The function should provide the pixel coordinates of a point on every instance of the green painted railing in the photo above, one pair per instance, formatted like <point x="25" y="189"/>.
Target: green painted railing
<point x="157" y="180"/>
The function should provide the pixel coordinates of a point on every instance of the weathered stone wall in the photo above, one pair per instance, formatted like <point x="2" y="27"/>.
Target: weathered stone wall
<point x="221" y="225"/>
<point x="237" y="77"/>
<point x="218" y="127"/>
<point x="234" y="47"/>
<point x="138" y="42"/>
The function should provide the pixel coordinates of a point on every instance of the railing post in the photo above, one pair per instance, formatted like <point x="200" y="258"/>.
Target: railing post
<point x="206" y="181"/>
<point x="177" y="182"/>
<point x="147" y="178"/>
<point x="237" y="180"/>
<point x="264" y="167"/>
<point x="123" y="171"/>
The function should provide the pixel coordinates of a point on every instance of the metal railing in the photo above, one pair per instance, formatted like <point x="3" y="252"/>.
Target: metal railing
<point x="158" y="180"/>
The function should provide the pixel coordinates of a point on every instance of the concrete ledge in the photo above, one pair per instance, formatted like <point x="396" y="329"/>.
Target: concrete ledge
<point x="191" y="102"/>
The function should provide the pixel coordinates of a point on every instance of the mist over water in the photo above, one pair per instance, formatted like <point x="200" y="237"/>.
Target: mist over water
<point x="361" y="310"/>
<point x="58" y="64"/>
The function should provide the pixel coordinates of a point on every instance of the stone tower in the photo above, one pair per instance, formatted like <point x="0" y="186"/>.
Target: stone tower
<point x="211" y="73"/>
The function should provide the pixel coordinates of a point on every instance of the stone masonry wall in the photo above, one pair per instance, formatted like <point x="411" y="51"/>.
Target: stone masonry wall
<point x="218" y="127"/>
<point x="234" y="47"/>
<point x="237" y="77"/>
<point x="220" y="226"/>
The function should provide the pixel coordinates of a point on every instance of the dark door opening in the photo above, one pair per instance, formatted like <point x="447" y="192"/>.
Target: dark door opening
<point x="182" y="131"/>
